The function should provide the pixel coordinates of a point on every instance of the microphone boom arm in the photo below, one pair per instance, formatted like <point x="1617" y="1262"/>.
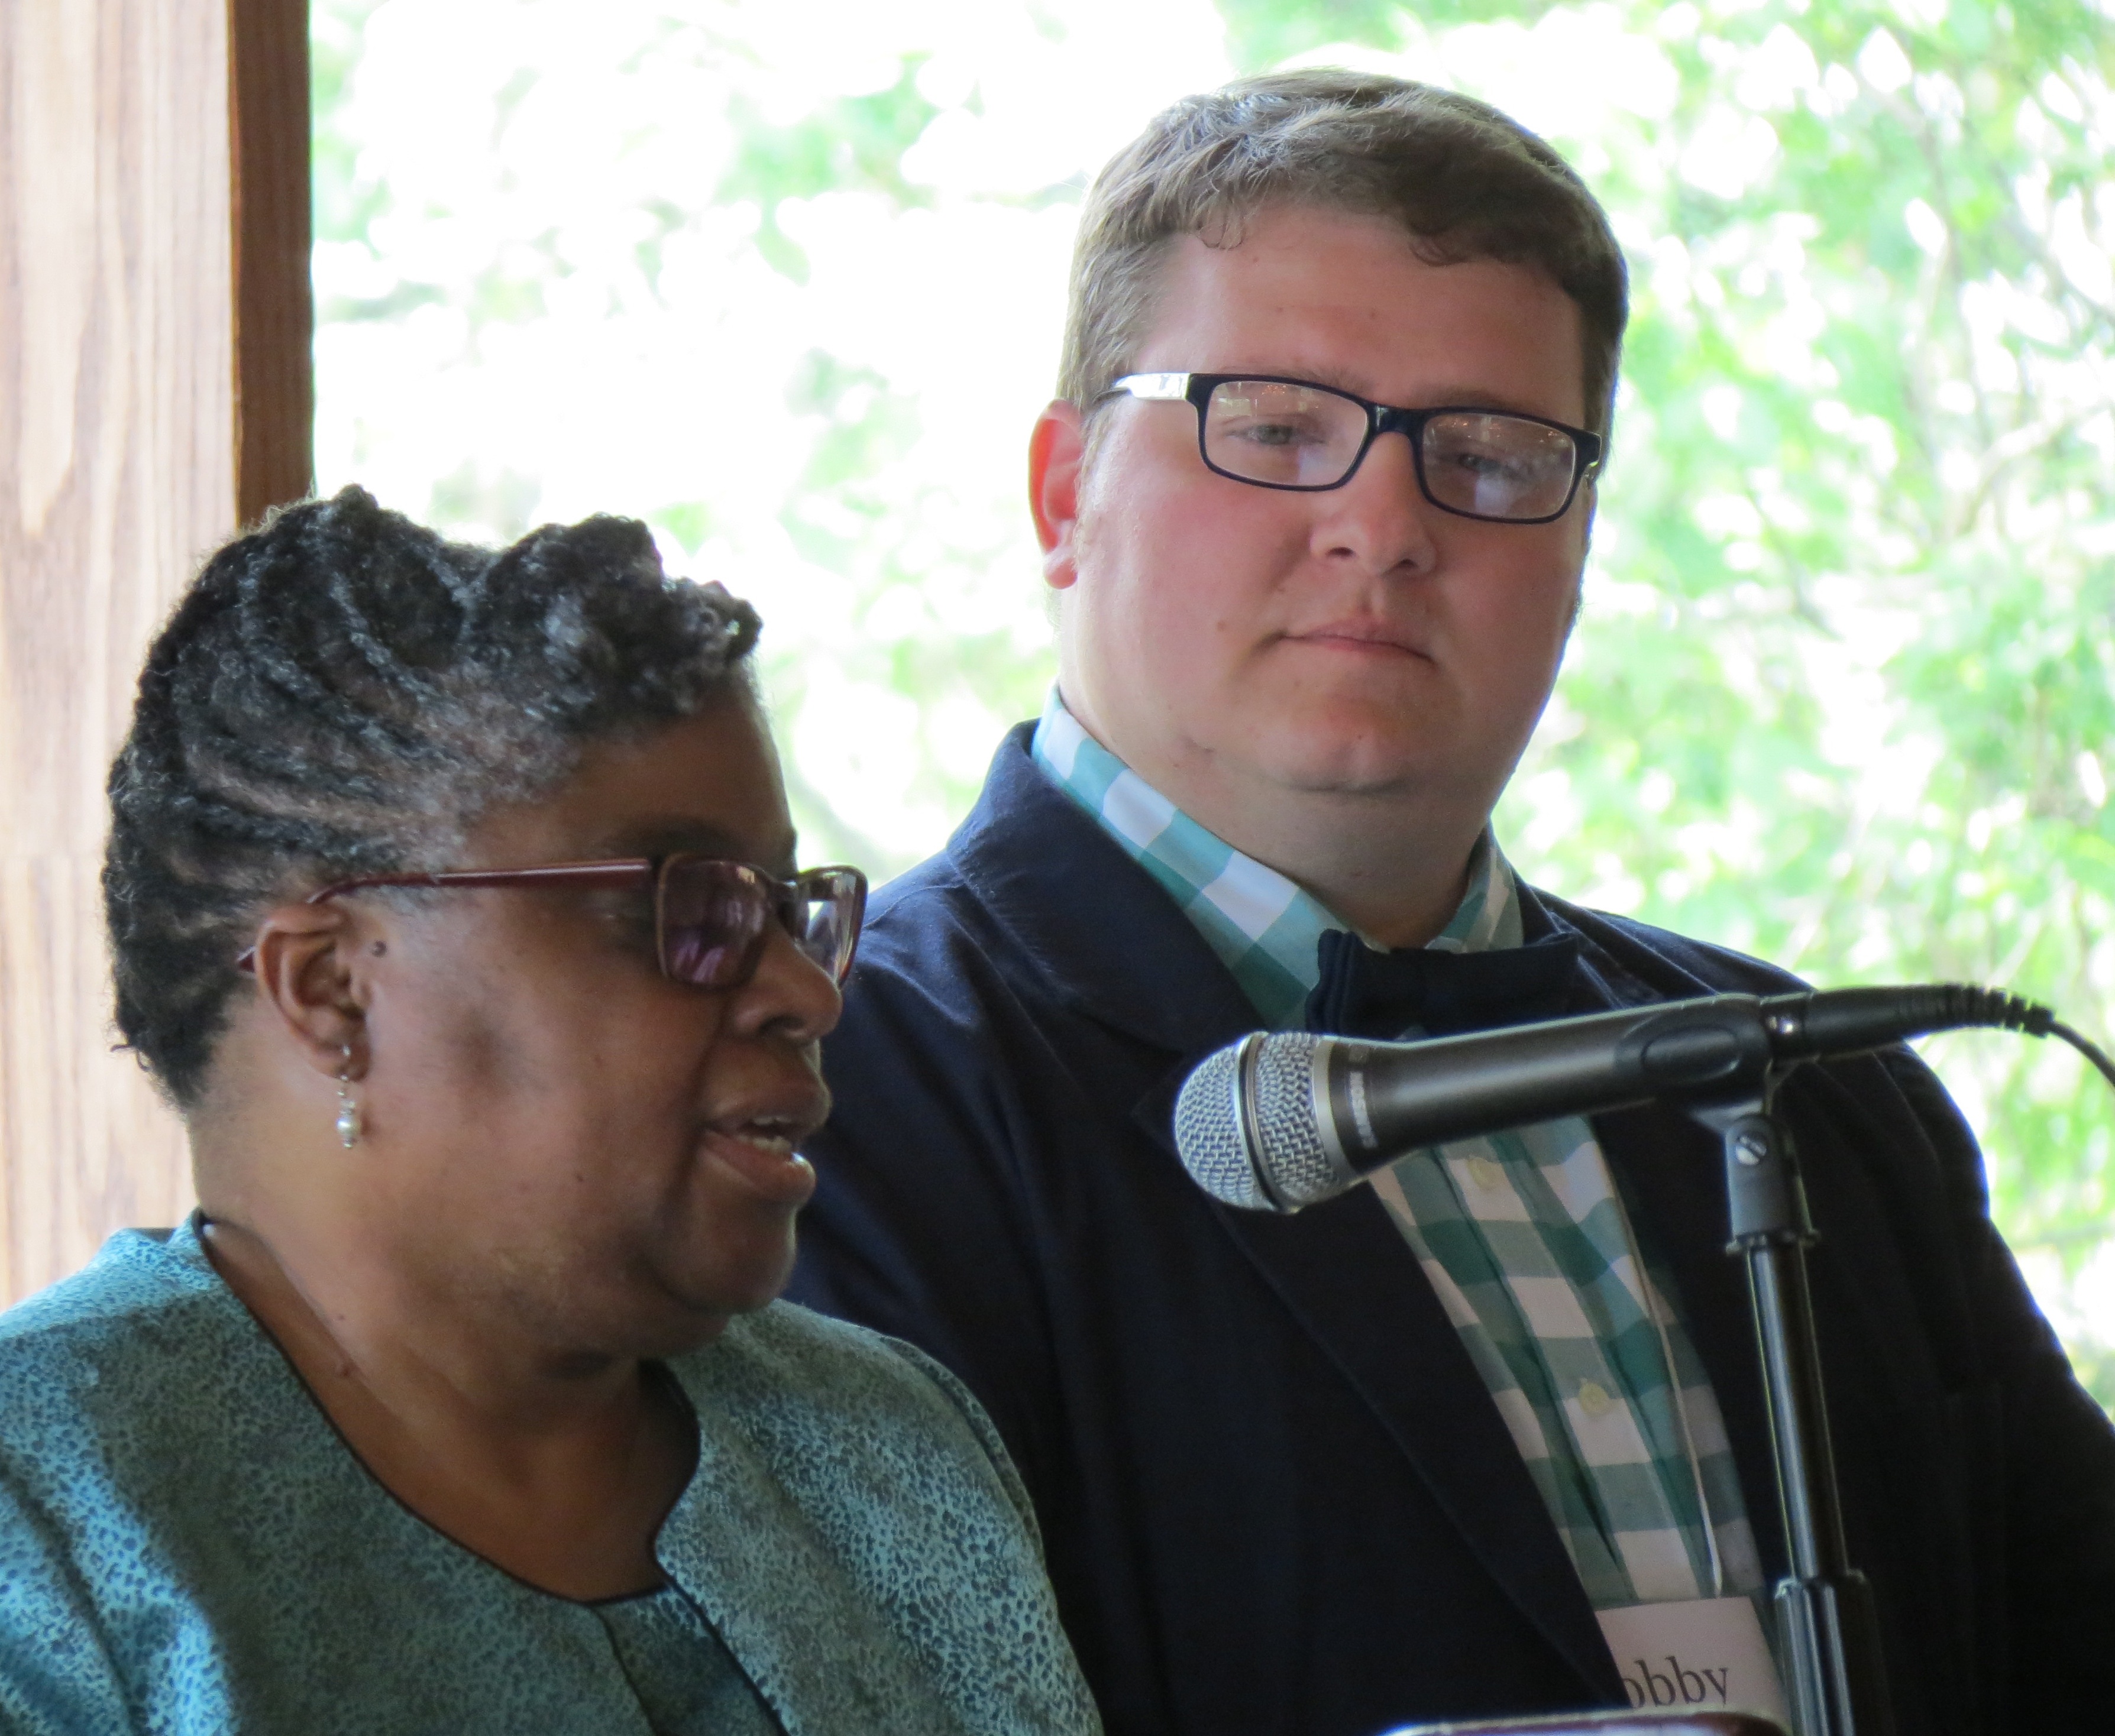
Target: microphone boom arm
<point x="1827" y="1626"/>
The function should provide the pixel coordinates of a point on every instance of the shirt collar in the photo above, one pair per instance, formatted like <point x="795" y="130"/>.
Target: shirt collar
<point x="1264" y="928"/>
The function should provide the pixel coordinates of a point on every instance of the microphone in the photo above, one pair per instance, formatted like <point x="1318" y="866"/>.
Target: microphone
<point x="1281" y="1119"/>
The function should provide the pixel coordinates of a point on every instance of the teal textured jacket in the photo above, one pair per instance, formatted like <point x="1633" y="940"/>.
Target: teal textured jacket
<point x="186" y="1543"/>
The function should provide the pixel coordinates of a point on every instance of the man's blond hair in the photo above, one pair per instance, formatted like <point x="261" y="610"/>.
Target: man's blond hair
<point x="1466" y="181"/>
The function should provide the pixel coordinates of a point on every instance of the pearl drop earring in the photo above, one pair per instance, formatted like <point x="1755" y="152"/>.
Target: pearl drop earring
<point x="349" y="1124"/>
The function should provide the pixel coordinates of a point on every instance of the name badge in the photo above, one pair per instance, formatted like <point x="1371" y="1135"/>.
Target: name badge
<point x="1707" y="1655"/>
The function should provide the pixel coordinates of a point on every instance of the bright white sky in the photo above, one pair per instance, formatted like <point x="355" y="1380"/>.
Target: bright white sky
<point x="633" y="392"/>
<point x="544" y="141"/>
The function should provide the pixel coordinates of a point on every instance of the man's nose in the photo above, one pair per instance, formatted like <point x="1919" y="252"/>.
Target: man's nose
<point x="1380" y="518"/>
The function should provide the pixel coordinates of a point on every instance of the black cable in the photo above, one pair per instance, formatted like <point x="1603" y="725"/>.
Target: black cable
<point x="1959" y="1006"/>
<point x="2085" y="1046"/>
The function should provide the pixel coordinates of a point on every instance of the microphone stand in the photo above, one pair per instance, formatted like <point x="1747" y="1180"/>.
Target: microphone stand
<point x="1828" y="1630"/>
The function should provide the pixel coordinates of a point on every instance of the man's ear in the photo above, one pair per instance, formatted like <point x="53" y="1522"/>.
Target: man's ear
<point x="1056" y="450"/>
<point x="305" y="961"/>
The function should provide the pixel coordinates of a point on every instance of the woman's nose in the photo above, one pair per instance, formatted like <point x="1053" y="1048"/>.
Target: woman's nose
<point x="789" y="995"/>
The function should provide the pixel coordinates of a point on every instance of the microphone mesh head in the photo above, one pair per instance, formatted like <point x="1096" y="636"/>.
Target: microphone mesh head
<point x="1207" y="1132"/>
<point x="1293" y="1155"/>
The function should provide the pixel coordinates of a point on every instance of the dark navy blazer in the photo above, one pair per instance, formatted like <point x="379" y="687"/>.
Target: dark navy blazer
<point x="1275" y="1494"/>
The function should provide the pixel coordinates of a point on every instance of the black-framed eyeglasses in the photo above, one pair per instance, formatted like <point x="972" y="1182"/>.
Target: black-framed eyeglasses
<point x="1275" y="433"/>
<point x="710" y="916"/>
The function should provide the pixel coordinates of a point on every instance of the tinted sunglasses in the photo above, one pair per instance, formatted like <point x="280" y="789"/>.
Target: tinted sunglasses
<point x="711" y="916"/>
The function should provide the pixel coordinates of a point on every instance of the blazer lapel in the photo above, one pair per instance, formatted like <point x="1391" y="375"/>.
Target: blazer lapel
<point x="1347" y="1276"/>
<point x="1111" y="941"/>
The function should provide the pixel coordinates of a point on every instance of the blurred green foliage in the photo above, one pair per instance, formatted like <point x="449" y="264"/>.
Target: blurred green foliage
<point x="1842" y="696"/>
<point x="1843" y="692"/>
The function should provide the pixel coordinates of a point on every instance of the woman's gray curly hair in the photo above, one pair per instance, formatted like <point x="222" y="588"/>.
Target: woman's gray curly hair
<point x="341" y="691"/>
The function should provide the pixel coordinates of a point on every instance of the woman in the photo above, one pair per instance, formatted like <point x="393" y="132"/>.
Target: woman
<point x="462" y="1403"/>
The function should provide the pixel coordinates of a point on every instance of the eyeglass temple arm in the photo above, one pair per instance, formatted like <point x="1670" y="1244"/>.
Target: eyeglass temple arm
<point x="628" y="872"/>
<point x="1171" y="387"/>
<point x="621" y="874"/>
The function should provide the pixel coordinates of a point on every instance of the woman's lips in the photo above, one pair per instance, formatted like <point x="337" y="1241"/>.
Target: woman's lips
<point x="765" y="1159"/>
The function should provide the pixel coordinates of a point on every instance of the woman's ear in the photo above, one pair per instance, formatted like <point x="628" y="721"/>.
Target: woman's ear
<point x="305" y="959"/>
<point x="1056" y="450"/>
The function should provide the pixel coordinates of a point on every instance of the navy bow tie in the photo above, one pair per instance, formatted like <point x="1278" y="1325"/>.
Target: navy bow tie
<point x="1381" y="994"/>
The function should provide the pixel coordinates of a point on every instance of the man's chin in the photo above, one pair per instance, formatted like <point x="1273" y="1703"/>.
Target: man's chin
<point x="1363" y="765"/>
<point x="1354" y="744"/>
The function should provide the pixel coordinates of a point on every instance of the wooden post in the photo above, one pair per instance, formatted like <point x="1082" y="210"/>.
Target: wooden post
<point x="275" y="409"/>
<point x="118" y="378"/>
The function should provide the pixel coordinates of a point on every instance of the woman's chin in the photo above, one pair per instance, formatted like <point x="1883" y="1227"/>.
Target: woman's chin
<point x="730" y="1274"/>
<point x="705" y="1303"/>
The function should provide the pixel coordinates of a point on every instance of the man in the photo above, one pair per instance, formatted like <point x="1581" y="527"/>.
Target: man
<point x="1315" y="501"/>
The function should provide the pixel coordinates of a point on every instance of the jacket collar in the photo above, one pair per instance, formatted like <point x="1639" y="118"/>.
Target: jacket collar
<point x="1107" y="939"/>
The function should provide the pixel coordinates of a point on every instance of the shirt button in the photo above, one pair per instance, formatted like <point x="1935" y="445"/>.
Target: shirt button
<point x="1485" y="1174"/>
<point x="1594" y="1399"/>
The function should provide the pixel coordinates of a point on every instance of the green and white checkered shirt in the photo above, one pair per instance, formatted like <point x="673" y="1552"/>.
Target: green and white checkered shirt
<point x="1520" y="1233"/>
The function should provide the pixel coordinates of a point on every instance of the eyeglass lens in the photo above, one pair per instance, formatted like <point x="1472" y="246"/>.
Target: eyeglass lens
<point x="713" y="918"/>
<point x="1485" y="464"/>
<point x="832" y="904"/>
